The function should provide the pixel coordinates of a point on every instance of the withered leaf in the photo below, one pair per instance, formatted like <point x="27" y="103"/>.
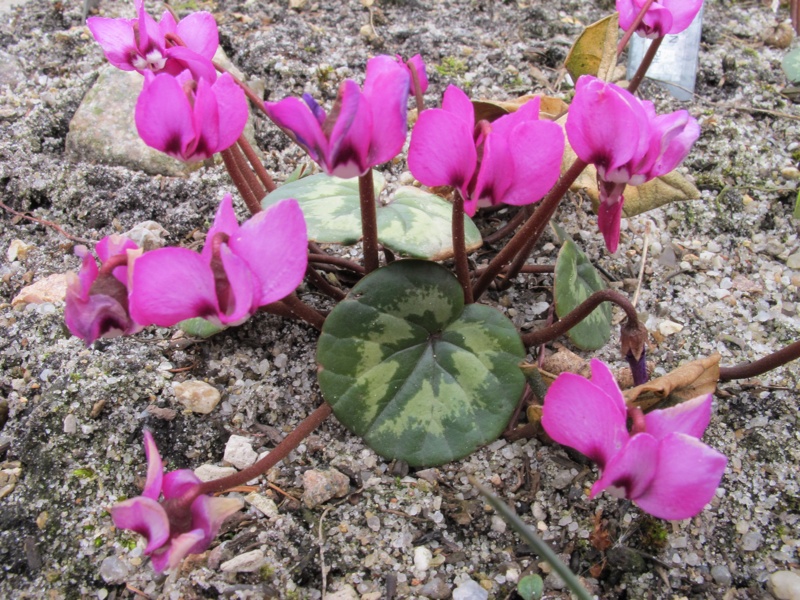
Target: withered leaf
<point x="688" y="381"/>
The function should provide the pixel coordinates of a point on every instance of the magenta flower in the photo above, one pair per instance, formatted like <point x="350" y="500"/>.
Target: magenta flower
<point x="190" y="119"/>
<point x="663" y="16"/>
<point x="626" y="141"/>
<point x="240" y="269"/>
<point x="146" y="46"/>
<point x="97" y="298"/>
<point x="661" y="465"/>
<point x="515" y="159"/>
<point x="184" y="522"/>
<point x="365" y="127"/>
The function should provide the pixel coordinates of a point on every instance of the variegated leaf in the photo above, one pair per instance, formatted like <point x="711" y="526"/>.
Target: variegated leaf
<point x="414" y="223"/>
<point x="416" y="373"/>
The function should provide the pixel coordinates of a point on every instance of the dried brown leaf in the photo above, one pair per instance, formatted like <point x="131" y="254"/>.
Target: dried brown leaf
<point x="684" y="383"/>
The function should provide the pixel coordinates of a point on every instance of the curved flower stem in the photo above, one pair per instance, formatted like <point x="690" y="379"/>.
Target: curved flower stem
<point x="281" y="451"/>
<point x="323" y="285"/>
<point x="582" y="311"/>
<point x="632" y="29"/>
<point x="509" y="227"/>
<point x="369" y="221"/>
<point x="258" y="167"/>
<point x="252" y="96"/>
<point x="303" y="311"/>
<point x="524" y="240"/>
<point x="247" y="173"/>
<point x="459" y="248"/>
<point x="761" y="366"/>
<point x="337" y="261"/>
<point x="228" y="157"/>
<point x="417" y="89"/>
<point x="638" y="77"/>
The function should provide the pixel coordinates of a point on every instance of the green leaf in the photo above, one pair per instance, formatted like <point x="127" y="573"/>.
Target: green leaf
<point x="199" y="327"/>
<point x="415" y="223"/>
<point x="595" y="50"/>
<point x="791" y="65"/>
<point x="796" y="213"/>
<point x="575" y="280"/>
<point x="416" y="373"/>
<point x="530" y="587"/>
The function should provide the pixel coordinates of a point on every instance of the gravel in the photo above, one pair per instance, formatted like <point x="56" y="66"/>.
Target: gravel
<point x="721" y="275"/>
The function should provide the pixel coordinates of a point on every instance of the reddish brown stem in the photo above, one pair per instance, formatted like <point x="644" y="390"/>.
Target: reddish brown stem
<point x="258" y="102"/>
<point x="47" y="224"/>
<point x="252" y="181"/>
<point x="523" y="241"/>
<point x="337" y="261"/>
<point x="281" y="451"/>
<point x="417" y="89"/>
<point x="647" y="60"/>
<point x="369" y="222"/>
<point x="508" y="228"/>
<point x="258" y="167"/>
<point x="583" y="310"/>
<point x="239" y="181"/>
<point x="323" y="284"/>
<point x="761" y="366"/>
<point x="460" y="250"/>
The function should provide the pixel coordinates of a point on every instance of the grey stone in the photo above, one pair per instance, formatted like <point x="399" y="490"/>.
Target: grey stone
<point x="197" y="396"/>
<point x="470" y="590"/>
<point x="245" y="563"/>
<point x="436" y="589"/>
<point x="751" y="541"/>
<point x="114" y="571"/>
<point x="11" y="72"/>
<point x="320" y="486"/>
<point x="239" y="452"/>
<point x="721" y="575"/>
<point x="785" y="585"/>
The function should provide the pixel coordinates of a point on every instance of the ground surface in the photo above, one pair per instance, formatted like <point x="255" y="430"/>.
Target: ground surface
<point x="725" y="267"/>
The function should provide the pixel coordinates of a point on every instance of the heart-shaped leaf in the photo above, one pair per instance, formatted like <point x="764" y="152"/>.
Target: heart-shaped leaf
<point x="414" y="223"/>
<point x="416" y="373"/>
<point x="575" y="280"/>
<point x="791" y="65"/>
<point x="200" y="327"/>
<point x="595" y="50"/>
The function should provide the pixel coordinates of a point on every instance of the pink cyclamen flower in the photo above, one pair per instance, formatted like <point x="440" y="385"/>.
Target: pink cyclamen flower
<point x="240" y="269"/>
<point x="190" y="119"/>
<point x="626" y="141"/>
<point x="661" y="465"/>
<point x="365" y="128"/>
<point x="183" y="522"/>
<point x="97" y="298"/>
<point x="663" y="16"/>
<point x="141" y="44"/>
<point x="515" y="159"/>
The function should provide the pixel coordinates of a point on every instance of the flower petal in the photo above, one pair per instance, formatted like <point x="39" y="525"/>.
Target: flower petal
<point x="686" y="478"/>
<point x="609" y="212"/>
<point x="240" y="294"/>
<point x="180" y="58"/>
<point x="536" y="149"/>
<point x="632" y="468"/>
<point x="146" y="517"/>
<point x="673" y="136"/>
<point x="170" y="285"/>
<point x="209" y="513"/>
<point x="117" y="39"/>
<point x="580" y="414"/>
<point x="232" y="111"/>
<point x="386" y="92"/>
<point x="155" y="468"/>
<point x="199" y="32"/>
<point x="179" y="547"/>
<point x="164" y="116"/>
<point x="177" y="483"/>
<point x="273" y="244"/>
<point x="690" y="418"/>
<point x="299" y="123"/>
<point x="350" y="123"/>
<point x="603" y="378"/>
<point x="224" y="222"/>
<point x="683" y="13"/>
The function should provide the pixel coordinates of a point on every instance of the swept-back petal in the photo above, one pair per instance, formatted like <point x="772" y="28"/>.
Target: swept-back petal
<point x="456" y="102"/>
<point x="579" y="414"/>
<point x="170" y="285"/>
<point x="237" y="301"/>
<point x="422" y="74"/>
<point x="177" y="483"/>
<point x="199" y="32"/>
<point x="95" y="317"/>
<point x="209" y="513"/>
<point x="224" y="222"/>
<point x="386" y="92"/>
<point x="232" y="111"/>
<point x="603" y="378"/>
<point x="205" y="122"/>
<point x="686" y="478"/>
<point x="114" y="244"/>
<point x="609" y="212"/>
<point x="672" y="138"/>
<point x="632" y="468"/>
<point x="164" y="116"/>
<point x="606" y="126"/>
<point x="299" y="123"/>
<point x="155" y="468"/>
<point x="496" y="170"/>
<point x="180" y="58"/>
<point x="536" y="149"/>
<point x="690" y="417"/>
<point x="683" y="13"/>
<point x="442" y="150"/>
<point x="146" y="517"/>
<point x="350" y="123"/>
<point x="116" y="38"/>
<point x="273" y="244"/>
<point x="178" y="548"/>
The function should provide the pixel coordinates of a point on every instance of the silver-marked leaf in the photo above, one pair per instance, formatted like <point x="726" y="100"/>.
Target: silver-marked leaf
<point x="330" y="206"/>
<point x="416" y="373"/>
<point x="791" y="65"/>
<point x="418" y="224"/>
<point x="575" y="280"/>
<point x="414" y="223"/>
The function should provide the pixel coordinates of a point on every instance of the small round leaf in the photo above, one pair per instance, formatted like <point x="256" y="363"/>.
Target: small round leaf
<point x="416" y="373"/>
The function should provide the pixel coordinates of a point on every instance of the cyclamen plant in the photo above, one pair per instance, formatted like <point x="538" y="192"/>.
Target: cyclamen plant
<point x="408" y="358"/>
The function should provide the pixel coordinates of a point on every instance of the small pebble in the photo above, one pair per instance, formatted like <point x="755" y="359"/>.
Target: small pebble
<point x="436" y="589"/>
<point x="239" y="452"/>
<point x="245" y="563"/>
<point x="721" y="575"/>
<point x="197" y="396"/>
<point x="751" y="541"/>
<point x="70" y="423"/>
<point x="422" y="558"/>
<point x="113" y="570"/>
<point x="320" y="486"/>
<point x="264" y="505"/>
<point x="470" y="590"/>
<point x="785" y="585"/>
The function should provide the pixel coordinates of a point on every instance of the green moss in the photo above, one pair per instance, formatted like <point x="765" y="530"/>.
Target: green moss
<point x="451" y="67"/>
<point x="86" y="473"/>
<point x="267" y="572"/>
<point x="654" y="534"/>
